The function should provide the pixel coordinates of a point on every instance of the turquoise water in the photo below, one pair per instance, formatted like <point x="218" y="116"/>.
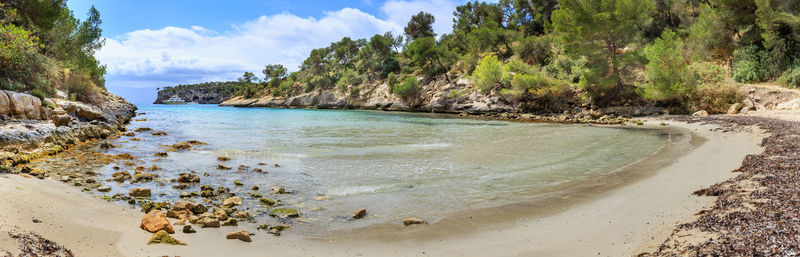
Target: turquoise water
<point x="396" y="165"/>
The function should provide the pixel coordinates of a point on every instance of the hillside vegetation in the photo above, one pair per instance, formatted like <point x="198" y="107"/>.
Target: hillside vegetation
<point x="682" y="54"/>
<point x="44" y="49"/>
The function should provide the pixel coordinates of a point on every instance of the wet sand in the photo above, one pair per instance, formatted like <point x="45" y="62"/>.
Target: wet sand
<point x="631" y="215"/>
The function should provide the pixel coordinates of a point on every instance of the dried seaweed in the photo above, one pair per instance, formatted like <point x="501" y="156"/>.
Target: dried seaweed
<point x="31" y="244"/>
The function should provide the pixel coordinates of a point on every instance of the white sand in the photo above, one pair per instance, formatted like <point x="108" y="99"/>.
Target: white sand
<point x="623" y="221"/>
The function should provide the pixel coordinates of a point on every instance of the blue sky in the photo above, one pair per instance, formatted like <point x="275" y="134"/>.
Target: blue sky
<point x="152" y="44"/>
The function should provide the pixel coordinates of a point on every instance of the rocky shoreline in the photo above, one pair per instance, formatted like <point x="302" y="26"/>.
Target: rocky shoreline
<point x="755" y="213"/>
<point x="32" y="129"/>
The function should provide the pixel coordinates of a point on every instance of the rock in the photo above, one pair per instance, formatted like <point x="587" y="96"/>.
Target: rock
<point x="121" y="176"/>
<point x="139" y="192"/>
<point x="241" y="235"/>
<point x="232" y="201"/>
<point x="207" y="193"/>
<point x="182" y="205"/>
<point x="223" y="167"/>
<point x="734" y="109"/>
<point x="242" y="215"/>
<point x="199" y="208"/>
<point x="181" y="146"/>
<point x="161" y="154"/>
<point x="188" y="229"/>
<point x="284" y="212"/>
<point x="142" y="177"/>
<point x="230" y="222"/>
<point x="360" y="213"/>
<point x="701" y="113"/>
<point x="267" y="201"/>
<point x="61" y="118"/>
<point x="155" y="221"/>
<point x="208" y="222"/>
<point x="279" y="190"/>
<point x="223" y="158"/>
<point x="412" y="221"/>
<point x="23" y="106"/>
<point x="159" y="133"/>
<point x="254" y="188"/>
<point x="104" y="189"/>
<point x="276" y="230"/>
<point x="181" y="215"/>
<point x="188" y="178"/>
<point x="162" y="237"/>
<point x="790" y="105"/>
<point x="221" y="215"/>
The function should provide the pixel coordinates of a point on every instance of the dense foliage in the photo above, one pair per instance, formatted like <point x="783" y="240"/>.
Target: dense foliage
<point x="676" y="53"/>
<point x="44" y="48"/>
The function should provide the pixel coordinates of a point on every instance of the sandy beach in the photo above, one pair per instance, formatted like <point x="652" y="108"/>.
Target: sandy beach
<point x="632" y="217"/>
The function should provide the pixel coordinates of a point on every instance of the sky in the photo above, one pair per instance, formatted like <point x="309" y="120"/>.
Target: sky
<point x="156" y="43"/>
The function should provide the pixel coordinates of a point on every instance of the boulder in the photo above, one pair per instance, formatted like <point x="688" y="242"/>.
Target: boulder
<point x="24" y="106"/>
<point x="104" y="189"/>
<point x="790" y="105"/>
<point x="241" y="235"/>
<point x="155" y="221"/>
<point x="232" y="201"/>
<point x="360" y="213"/>
<point x="5" y="104"/>
<point x="121" y="176"/>
<point x="413" y="221"/>
<point x="139" y="192"/>
<point x="701" y="113"/>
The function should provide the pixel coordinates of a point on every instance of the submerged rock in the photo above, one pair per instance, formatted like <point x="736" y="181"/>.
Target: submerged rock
<point x="413" y="221"/>
<point x="223" y="167"/>
<point x="232" y="201"/>
<point x="188" y="229"/>
<point x="104" y="189"/>
<point x="142" y="129"/>
<point x="267" y="201"/>
<point x="181" y="146"/>
<point x="360" y="213"/>
<point x="161" y="154"/>
<point x="139" y="192"/>
<point x="241" y="235"/>
<point x="284" y="212"/>
<point x="188" y="178"/>
<point x="223" y="158"/>
<point x="162" y="237"/>
<point x="159" y="133"/>
<point x="155" y="221"/>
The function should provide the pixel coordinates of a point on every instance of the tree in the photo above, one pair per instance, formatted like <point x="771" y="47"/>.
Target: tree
<point x="274" y="72"/>
<point x="603" y="31"/>
<point x="420" y="26"/>
<point x="248" y="77"/>
<point x="666" y="69"/>
<point x="531" y="17"/>
<point x="427" y="53"/>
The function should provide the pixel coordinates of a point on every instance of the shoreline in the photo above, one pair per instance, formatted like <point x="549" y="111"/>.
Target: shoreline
<point x="119" y="223"/>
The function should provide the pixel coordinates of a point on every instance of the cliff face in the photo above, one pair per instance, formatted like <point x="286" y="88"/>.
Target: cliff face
<point x="28" y="129"/>
<point x="205" y="93"/>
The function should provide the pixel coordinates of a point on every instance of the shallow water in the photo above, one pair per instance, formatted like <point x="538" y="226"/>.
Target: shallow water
<point x="396" y="165"/>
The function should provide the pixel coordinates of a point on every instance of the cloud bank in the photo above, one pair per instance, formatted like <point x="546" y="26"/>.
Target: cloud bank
<point x="142" y="60"/>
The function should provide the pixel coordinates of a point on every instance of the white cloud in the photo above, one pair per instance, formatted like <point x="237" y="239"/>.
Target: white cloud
<point x="173" y="55"/>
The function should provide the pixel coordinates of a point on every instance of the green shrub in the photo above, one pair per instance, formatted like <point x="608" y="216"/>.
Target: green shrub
<point x="565" y="68"/>
<point x="714" y="98"/>
<point x="284" y="87"/>
<point x="706" y="73"/>
<point x="519" y="67"/>
<point x="525" y="82"/>
<point x="666" y="69"/>
<point x="534" y="49"/>
<point x="392" y="80"/>
<point x="349" y="78"/>
<point x="82" y="89"/>
<point x="489" y="73"/>
<point x="408" y="88"/>
<point x="354" y="91"/>
<point x="753" y="64"/>
<point x="39" y="93"/>
<point x="791" y="78"/>
<point x="456" y="93"/>
<point x="16" y="44"/>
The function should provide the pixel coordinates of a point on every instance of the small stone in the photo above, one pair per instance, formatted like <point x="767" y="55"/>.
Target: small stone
<point x="188" y="178"/>
<point x="104" y="189"/>
<point x="208" y="222"/>
<point x="254" y="188"/>
<point x="161" y="154"/>
<point x="223" y="158"/>
<point x="413" y="221"/>
<point x="360" y="213"/>
<point x="279" y="190"/>
<point x="241" y="235"/>
<point x="230" y="222"/>
<point x="223" y="167"/>
<point x="236" y="182"/>
<point x="162" y="237"/>
<point x="188" y="229"/>
<point x="701" y="113"/>
<point x="267" y="201"/>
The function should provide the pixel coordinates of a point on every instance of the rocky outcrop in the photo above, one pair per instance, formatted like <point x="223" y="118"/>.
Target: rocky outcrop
<point x="205" y="93"/>
<point x="29" y="130"/>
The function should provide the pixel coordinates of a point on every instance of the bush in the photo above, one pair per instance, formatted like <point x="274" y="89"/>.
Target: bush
<point x="407" y="89"/>
<point x="39" y="93"/>
<point x="525" y="82"/>
<point x="791" y="78"/>
<point x="706" y="73"/>
<point x="489" y="73"/>
<point x="82" y="89"/>
<point x="565" y="68"/>
<point x="519" y="67"/>
<point x="392" y="80"/>
<point x="534" y="50"/>
<point x="284" y="87"/>
<point x="714" y="98"/>
<point x="349" y="78"/>
<point x="753" y="64"/>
